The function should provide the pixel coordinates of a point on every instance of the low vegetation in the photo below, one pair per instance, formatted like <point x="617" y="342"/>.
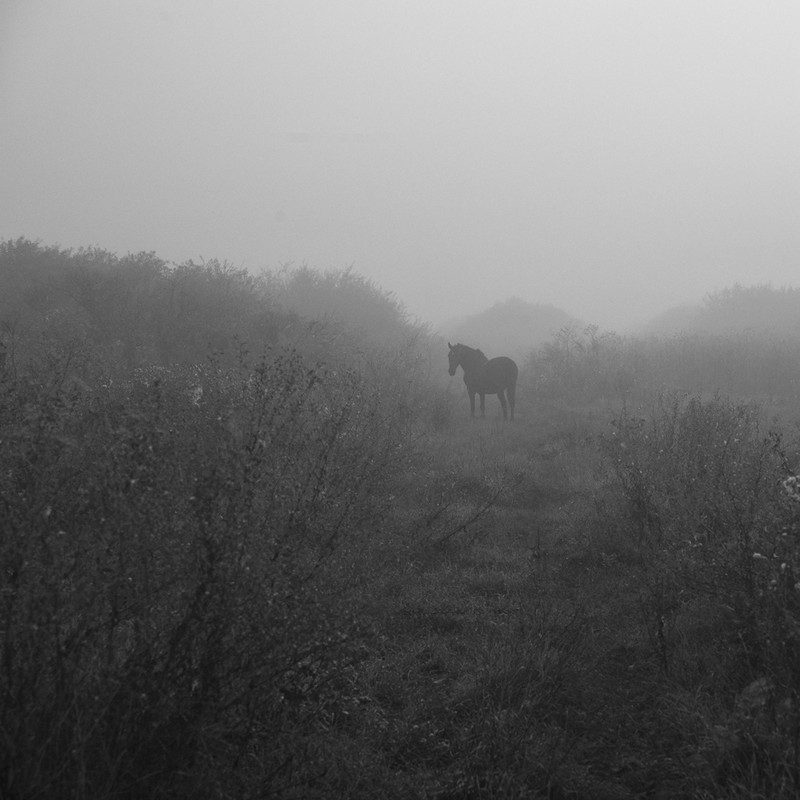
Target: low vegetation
<point x="250" y="549"/>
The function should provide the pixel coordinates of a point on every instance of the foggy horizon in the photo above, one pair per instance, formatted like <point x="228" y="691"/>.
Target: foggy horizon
<point x="613" y="160"/>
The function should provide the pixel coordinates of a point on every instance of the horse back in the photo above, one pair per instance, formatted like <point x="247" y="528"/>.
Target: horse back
<point x="498" y="374"/>
<point x="502" y="371"/>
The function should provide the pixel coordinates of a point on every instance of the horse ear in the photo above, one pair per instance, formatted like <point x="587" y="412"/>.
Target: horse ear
<point x="449" y="345"/>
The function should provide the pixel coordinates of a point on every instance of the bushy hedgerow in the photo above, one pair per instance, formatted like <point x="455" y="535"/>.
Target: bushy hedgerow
<point x="165" y="626"/>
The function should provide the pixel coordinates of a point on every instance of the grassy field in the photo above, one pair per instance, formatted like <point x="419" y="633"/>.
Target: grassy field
<point x="544" y="648"/>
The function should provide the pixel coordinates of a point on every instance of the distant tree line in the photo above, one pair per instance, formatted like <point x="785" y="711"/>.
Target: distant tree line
<point x="132" y="311"/>
<point x="735" y="310"/>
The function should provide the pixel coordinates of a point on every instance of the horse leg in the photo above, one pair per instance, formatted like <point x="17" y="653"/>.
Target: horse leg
<point x="472" y="403"/>
<point x="502" y="397"/>
<point x="483" y="406"/>
<point x="512" y="398"/>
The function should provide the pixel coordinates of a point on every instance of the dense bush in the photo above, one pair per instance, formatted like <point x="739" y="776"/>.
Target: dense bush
<point x="165" y="544"/>
<point x="711" y="524"/>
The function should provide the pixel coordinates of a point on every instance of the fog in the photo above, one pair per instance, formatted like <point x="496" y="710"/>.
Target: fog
<point x="613" y="159"/>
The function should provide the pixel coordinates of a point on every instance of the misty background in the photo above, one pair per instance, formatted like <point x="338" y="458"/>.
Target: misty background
<point x="612" y="160"/>
<point x="254" y="543"/>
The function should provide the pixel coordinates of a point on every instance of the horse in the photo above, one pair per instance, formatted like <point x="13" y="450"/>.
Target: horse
<point x="483" y="376"/>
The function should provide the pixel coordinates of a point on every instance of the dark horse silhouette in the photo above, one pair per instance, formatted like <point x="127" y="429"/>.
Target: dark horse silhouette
<point x="483" y="376"/>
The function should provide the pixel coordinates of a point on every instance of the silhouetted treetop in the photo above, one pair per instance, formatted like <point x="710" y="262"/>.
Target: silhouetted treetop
<point x="343" y="300"/>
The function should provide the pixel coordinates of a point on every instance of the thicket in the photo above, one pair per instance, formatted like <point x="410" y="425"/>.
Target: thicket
<point x="587" y="366"/>
<point x="167" y="558"/>
<point x="179" y="511"/>
<point x="703" y="509"/>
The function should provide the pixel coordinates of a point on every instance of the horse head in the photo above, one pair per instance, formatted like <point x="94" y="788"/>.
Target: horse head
<point x="454" y="356"/>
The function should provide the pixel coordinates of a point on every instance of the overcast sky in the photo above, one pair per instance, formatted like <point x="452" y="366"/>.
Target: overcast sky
<point x="611" y="158"/>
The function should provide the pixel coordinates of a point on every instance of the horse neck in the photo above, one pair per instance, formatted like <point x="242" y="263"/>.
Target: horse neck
<point x="473" y="359"/>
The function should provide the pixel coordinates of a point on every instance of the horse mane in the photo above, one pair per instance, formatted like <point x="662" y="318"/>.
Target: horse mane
<point x="471" y="349"/>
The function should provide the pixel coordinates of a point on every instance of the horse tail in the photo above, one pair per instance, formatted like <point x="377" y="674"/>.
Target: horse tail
<point x="511" y="390"/>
